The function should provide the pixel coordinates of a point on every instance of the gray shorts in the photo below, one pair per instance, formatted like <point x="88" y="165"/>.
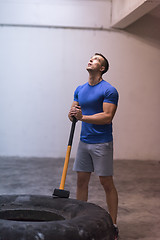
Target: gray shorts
<point x="96" y="158"/>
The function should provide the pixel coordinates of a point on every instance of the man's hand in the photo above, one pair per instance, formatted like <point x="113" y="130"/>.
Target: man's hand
<point x="76" y="112"/>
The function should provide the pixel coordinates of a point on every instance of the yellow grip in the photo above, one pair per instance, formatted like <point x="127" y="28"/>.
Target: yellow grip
<point x="65" y="168"/>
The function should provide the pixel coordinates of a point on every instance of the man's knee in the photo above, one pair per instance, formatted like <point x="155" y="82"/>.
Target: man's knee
<point x="107" y="183"/>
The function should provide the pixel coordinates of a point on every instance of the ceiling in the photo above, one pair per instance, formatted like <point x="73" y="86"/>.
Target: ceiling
<point x="147" y="27"/>
<point x="155" y="12"/>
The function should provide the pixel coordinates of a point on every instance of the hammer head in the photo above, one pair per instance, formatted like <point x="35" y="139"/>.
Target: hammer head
<point x="61" y="193"/>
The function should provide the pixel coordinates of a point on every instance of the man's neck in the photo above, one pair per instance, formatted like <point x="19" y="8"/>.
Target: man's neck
<point x="94" y="79"/>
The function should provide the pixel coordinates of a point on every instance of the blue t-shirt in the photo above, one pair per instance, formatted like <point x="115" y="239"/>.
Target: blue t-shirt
<point x="91" y="99"/>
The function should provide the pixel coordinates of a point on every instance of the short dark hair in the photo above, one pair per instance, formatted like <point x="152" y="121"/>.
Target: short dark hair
<point x="106" y="63"/>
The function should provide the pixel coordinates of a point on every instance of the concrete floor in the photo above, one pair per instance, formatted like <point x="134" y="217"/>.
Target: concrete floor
<point x="138" y="184"/>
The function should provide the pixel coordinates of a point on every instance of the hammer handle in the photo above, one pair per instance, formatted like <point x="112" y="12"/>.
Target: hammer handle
<point x="64" y="173"/>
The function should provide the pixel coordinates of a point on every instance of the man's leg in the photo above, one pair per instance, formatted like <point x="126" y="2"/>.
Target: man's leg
<point x="82" y="185"/>
<point x="111" y="196"/>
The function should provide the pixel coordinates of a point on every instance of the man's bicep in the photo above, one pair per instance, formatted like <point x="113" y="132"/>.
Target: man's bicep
<point x="109" y="108"/>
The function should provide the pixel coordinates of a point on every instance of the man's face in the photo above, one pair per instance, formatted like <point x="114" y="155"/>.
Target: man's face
<point x="95" y="63"/>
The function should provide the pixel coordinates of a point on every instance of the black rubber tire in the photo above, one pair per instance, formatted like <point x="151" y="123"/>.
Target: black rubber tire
<point x="75" y="220"/>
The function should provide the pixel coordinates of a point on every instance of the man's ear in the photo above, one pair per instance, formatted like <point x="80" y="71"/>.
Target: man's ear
<point x="102" y="68"/>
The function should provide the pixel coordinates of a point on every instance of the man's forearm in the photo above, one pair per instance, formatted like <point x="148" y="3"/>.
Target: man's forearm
<point x="99" y="118"/>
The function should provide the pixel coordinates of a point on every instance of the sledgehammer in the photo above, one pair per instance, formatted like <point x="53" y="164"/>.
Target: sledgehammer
<point x="61" y="192"/>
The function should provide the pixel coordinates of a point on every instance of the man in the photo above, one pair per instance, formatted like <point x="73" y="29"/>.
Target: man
<point x="95" y="104"/>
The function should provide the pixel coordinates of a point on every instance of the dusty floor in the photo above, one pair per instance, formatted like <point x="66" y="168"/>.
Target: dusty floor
<point x="138" y="184"/>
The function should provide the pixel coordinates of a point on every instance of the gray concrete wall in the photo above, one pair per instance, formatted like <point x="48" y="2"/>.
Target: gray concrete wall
<point x="40" y="67"/>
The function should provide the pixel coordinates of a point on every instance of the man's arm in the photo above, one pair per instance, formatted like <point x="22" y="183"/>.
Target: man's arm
<point x="102" y="118"/>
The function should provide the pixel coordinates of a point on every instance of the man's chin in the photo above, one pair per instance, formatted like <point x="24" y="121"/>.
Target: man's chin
<point x="88" y="69"/>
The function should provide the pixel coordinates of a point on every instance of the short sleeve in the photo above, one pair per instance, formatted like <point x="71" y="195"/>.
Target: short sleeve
<point x="111" y="96"/>
<point x="76" y="94"/>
